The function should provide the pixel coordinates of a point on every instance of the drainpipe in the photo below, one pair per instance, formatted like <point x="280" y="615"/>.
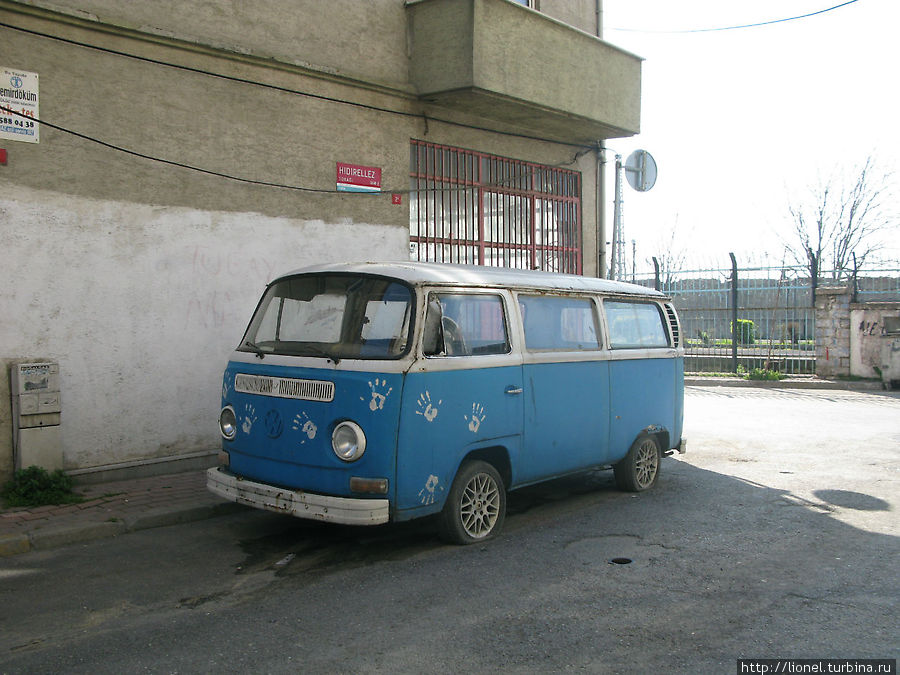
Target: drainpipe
<point x="601" y="208"/>
<point x="601" y="171"/>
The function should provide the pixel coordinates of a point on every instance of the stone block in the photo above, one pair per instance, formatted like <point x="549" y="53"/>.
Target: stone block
<point x="14" y="544"/>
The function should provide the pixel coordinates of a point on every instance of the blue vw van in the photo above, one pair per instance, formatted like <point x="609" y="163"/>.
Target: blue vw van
<point x="373" y="392"/>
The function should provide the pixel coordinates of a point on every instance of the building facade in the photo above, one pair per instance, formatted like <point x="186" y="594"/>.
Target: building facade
<point x="188" y="152"/>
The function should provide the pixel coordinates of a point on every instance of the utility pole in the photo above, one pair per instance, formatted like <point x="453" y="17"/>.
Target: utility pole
<point x="617" y="266"/>
<point x="633" y="259"/>
<point x="640" y="172"/>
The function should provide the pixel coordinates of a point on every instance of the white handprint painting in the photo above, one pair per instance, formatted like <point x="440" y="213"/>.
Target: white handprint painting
<point x="476" y="418"/>
<point x="427" y="493"/>
<point x="249" y="418"/>
<point x="379" y="394"/>
<point x="306" y="426"/>
<point x="427" y="408"/>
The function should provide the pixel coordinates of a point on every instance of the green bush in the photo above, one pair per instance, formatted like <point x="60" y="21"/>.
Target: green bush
<point x="34" y="486"/>
<point x="764" y="374"/>
<point x="746" y="331"/>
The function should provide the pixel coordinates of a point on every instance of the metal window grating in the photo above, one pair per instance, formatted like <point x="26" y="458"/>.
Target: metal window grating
<point x="480" y="209"/>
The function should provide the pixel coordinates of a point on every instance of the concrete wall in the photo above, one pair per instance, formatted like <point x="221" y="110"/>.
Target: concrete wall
<point x="512" y="63"/>
<point x="833" y="332"/>
<point x="246" y="128"/>
<point x="553" y="61"/>
<point x="138" y="276"/>
<point x="342" y="38"/>
<point x="142" y="304"/>
<point x="870" y="341"/>
<point x="580" y="14"/>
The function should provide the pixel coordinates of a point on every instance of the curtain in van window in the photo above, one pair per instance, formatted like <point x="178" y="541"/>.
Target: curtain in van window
<point x="556" y="323"/>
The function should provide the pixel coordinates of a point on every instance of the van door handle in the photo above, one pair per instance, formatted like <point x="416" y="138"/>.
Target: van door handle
<point x="512" y="390"/>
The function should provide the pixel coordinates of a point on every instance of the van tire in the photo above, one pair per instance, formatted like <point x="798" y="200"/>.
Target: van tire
<point x="639" y="469"/>
<point x="476" y="505"/>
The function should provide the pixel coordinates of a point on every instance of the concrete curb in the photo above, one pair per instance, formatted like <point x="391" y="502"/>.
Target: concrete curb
<point x="50" y="537"/>
<point x="56" y="537"/>
<point x="14" y="544"/>
<point x="166" y="517"/>
<point x="789" y="383"/>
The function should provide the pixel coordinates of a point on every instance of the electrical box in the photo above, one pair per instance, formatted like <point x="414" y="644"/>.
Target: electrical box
<point x="36" y="415"/>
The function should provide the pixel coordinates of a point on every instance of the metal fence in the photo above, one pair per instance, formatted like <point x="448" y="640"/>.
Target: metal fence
<point x="737" y="319"/>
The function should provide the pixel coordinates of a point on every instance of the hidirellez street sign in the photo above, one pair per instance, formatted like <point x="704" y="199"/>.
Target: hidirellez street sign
<point x="356" y="178"/>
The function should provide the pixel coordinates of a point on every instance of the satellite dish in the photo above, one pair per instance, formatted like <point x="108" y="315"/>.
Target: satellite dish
<point x="640" y="170"/>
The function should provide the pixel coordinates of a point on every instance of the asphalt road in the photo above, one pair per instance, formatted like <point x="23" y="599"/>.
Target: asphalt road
<point x="775" y="536"/>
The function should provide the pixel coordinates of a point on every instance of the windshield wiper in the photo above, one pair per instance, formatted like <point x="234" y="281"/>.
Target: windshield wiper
<point x="256" y="348"/>
<point x="318" y="351"/>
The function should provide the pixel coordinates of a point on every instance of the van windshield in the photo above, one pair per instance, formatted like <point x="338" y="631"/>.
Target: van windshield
<point x="338" y="316"/>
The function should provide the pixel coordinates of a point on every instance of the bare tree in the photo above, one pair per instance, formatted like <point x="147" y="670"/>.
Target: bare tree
<point x="841" y="219"/>
<point x="671" y="255"/>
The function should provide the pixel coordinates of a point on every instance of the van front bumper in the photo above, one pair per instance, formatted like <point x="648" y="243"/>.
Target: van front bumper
<point x="343" y="510"/>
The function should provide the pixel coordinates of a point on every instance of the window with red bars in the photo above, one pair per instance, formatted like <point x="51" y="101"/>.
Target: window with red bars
<point x="479" y="209"/>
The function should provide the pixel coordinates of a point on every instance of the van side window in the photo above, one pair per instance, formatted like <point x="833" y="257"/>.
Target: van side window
<point x="463" y="324"/>
<point x="635" y="325"/>
<point x="558" y="323"/>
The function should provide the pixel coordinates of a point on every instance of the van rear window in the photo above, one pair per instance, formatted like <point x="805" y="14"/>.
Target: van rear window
<point x="635" y="325"/>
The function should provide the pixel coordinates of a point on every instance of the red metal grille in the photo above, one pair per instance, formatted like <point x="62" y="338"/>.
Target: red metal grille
<point x="480" y="209"/>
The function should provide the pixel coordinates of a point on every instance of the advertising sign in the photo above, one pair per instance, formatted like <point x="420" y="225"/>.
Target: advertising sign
<point x="19" y="94"/>
<point x="355" y="178"/>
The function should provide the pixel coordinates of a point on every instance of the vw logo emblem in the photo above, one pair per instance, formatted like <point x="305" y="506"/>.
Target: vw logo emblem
<point x="274" y="425"/>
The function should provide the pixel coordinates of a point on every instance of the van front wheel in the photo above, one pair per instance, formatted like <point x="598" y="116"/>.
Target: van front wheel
<point x="476" y="505"/>
<point x="639" y="469"/>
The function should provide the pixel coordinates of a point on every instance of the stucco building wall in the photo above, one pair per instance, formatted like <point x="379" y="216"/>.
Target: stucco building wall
<point x="139" y="275"/>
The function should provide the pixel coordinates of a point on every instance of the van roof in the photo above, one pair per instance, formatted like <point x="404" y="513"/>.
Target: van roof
<point x="416" y="273"/>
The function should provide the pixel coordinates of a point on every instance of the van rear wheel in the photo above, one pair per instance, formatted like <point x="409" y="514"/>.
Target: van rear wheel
<point x="639" y="469"/>
<point x="476" y="506"/>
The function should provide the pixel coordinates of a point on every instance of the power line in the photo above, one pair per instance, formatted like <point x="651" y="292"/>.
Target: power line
<point x="746" y="25"/>
<point x="180" y="165"/>
<point x="288" y="90"/>
<point x="500" y="184"/>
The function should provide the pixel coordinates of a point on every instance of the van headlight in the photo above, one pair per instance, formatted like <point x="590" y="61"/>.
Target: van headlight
<point x="227" y="423"/>
<point x="348" y="441"/>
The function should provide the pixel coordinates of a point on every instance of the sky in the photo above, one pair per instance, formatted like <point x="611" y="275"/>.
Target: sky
<point x="744" y="122"/>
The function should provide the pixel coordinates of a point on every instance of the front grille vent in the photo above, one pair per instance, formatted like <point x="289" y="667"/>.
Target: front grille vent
<point x="284" y="387"/>
<point x="673" y="322"/>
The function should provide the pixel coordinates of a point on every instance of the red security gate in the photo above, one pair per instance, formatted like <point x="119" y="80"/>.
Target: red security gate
<point x="475" y="208"/>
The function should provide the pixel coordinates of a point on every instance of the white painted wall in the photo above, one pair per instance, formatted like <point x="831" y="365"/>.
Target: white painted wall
<point x="870" y="344"/>
<point x="142" y="305"/>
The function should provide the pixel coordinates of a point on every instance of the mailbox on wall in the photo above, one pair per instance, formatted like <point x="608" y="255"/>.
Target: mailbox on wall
<point x="36" y="415"/>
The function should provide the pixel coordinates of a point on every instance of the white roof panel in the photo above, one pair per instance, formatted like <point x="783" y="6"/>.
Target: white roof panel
<point x="417" y="273"/>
